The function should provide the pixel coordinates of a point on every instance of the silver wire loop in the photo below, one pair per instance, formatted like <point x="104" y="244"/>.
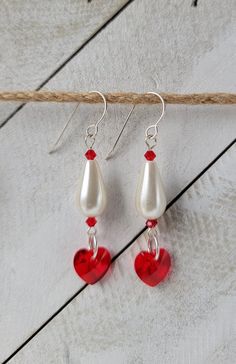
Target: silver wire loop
<point x="91" y="230"/>
<point x="150" y="133"/>
<point x="92" y="130"/>
<point x="92" y="241"/>
<point x="91" y="133"/>
<point x="152" y="130"/>
<point x="153" y="244"/>
<point x="89" y="141"/>
<point x="151" y="142"/>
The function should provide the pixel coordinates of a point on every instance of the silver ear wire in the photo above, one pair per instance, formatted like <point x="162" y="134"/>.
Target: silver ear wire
<point x="150" y="138"/>
<point x="54" y="146"/>
<point x="120" y="133"/>
<point x="91" y="130"/>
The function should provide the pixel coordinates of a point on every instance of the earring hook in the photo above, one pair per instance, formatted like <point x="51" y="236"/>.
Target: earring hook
<point x="54" y="146"/>
<point x="120" y="133"/>
<point x="89" y="134"/>
<point x="92" y="129"/>
<point x="150" y="138"/>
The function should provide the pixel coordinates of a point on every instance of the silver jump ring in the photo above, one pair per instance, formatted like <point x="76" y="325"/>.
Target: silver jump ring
<point x="91" y="231"/>
<point x="93" y="245"/>
<point x="89" y="141"/>
<point x="151" y="232"/>
<point x="151" y="141"/>
<point x="91" y="130"/>
<point x="149" y="134"/>
<point x="153" y="240"/>
<point x="91" y="133"/>
<point x="92" y="241"/>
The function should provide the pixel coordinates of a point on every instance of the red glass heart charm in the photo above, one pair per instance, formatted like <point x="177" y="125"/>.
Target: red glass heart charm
<point x="151" y="270"/>
<point x="92" y="269"/>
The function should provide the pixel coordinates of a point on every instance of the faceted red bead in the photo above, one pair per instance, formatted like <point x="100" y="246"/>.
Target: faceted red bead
<point x="150" y="155"/>
<point x="92" y="269"/>
<point x="150" y="270"/>
<point x="151" y="223"/>
<point x="90" y="154"/>
<point x="91" y="221"/>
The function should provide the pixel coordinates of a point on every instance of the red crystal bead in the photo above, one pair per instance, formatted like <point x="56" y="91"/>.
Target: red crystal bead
<point x="151" y="223"/>
<point x="150" y="155"/>
<point x="90" y="154"/>
<point x="150" y="270"/>
<point x="92" y="269"/>
<point x="91" y="221"/>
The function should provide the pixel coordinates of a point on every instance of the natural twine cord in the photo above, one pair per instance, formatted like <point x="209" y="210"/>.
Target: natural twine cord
<point x="220" y="98"/>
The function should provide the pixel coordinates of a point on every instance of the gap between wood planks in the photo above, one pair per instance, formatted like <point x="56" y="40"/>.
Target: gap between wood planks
<point x="194" y="3"/>
<point x="176" y="198"/>
<point x="68" y="59"/>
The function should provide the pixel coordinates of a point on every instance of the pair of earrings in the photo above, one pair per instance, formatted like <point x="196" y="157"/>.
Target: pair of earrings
<point x="91" y="264"/>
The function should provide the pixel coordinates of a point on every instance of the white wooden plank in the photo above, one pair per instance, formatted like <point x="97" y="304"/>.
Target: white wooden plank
<point x="188" y="319"/>
<point x="40" y="228"/>
<point x="38" y="36"/>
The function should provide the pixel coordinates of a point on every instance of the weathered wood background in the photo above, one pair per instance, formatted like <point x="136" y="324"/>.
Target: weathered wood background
<point x="110" y="45"/>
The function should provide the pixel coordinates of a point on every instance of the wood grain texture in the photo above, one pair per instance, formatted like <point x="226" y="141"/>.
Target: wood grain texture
<point x="188" y="319"/>
<point x="40" y="227"/>
<point x="38" y="36"/>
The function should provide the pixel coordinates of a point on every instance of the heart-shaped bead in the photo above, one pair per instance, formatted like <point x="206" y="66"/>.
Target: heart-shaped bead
<point x="90" y="268"/>
<point x="151" y="270"/>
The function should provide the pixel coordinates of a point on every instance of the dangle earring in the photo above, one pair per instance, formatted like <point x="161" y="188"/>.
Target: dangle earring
<point x="152" y="265"/>
<point x="91" y="264"/>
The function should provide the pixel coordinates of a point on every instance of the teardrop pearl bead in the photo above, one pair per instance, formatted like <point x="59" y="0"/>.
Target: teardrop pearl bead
<point x="91" y="196"/>
<point x="150" y="195"/>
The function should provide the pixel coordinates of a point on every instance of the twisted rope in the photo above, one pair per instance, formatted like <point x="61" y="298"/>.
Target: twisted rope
<point x="220" y="98"/>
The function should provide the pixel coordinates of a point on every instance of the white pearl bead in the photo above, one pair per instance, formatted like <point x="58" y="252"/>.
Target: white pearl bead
<point x="91" y="196"/>
<point x="150" y="195"/>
